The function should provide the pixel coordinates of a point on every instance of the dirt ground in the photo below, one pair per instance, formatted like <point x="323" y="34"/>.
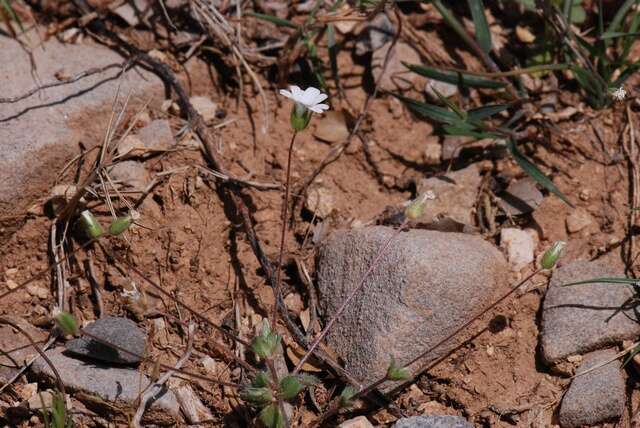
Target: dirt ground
<point x="191" y="247"/>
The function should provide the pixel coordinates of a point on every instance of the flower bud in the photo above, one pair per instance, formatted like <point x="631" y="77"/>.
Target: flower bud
<point x="90" y="226"/>
<point x="415" y="209"/>
<point x="271" y="417"/>
<point x="121" y="224"/>
<point x="397" y="373"/>
<point x="290" y="387"/>
<point x="551" y="256"/>
<point x="256" y="396"/>
<point x="67" y="323"/>
<point x="300" y="117"/>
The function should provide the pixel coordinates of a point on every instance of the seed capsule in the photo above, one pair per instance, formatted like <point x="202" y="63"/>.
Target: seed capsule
<point x="90" y="225"/>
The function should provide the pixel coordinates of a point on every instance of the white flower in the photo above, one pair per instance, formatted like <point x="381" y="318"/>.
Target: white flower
<point x="619" y="94"/>
<point x="309" y="99"/>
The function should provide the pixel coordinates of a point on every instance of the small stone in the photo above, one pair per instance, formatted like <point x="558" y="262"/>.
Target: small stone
<point x="210" y="365"/>
<point x="37" y="291"/>
<point x="117" y="330"/>
<point x="519" y="245"/>
<point x="113" y="384"/>
<point x="582" y="318"/>
<point x="319" y="200"/>
<point x="445" y="89"/>
<point x="294" y="303"/>
<point x="207" y="108"/>
<point x="379" y="32"/>
<point x="359" y="422"/>
<point x="521" y="197"/>
<point x="11" y="284"/>
<point x="157" y="135"/>
<point x="17" y="347"/>
<point x="332" y="127"/>
<point x="131" y="173"/>
<point x="433" y="153"/>
<point x="578" y="220"/>
<point x="419" y="292"/>
<point x="27" y="391"/>
<point x="455" y="195"/>
<point x="595" y="397"/>
<point x="434" y="421"/>
<point x="131" y="146"/>
<point x="395" y="76"/>
<point x="36" y="401"/>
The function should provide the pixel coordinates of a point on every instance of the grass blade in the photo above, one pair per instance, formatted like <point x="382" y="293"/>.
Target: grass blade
<point x="273" y="19"/>
<point x="532" y="170"/>
<point x="606" y="280"/>
<point x="429" y="111"/>
<point x="620" y="15"/>
<point x="455" y="78"/>
<point x="486" y="111"/>
<point x="483" y="35"/>
<point x="333" y="53"/>
<point x="6" y="4"/>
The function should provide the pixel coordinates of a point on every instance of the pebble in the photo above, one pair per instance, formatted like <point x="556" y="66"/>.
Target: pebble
<point x="207" y="108"/>
<point x="519" y="245"/>
<point x="586" y="317"/>
<point x="131" y="173"/>
<point x="359" y="422"/>
<point x="157" y="135"/>
<point x="332" y="127"/>
<point x="521" y="197"/>
<point x="595" y="397"/>
<point x="426" y="285"/>
<point x="579" y="219"/>
<point x="320" y="201"/>
<point x="402" y="53"/>
<point x="117" y="330"/>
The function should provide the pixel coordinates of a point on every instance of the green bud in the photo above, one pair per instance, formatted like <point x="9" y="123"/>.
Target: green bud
<point x="256" y="396"/>
<point x="308" y="380"/>
<point x="290" y="387"/>
<point x="300" y="117"/>
<point x="67" y="323"/>
<point x="272" y="417"/>
<point x="121" y="224"/>
<point x="415" y="209"/>
<point x="346" y="396"/>
<point x="90" y="226"/>
<point x="265" y="344"/>
<point x="551" y="256"/>
<point x="261" y="380"/>
<point x="397" y="373"/>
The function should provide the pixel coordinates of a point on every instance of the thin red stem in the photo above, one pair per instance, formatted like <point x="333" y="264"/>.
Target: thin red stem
<point x="283" y="233"/>
<point x="349" y="298"/>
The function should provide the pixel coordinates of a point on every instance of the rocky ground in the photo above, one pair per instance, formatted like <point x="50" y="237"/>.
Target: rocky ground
<point x="173" y="288"/>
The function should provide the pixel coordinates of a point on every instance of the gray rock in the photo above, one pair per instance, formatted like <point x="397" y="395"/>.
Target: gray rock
<point x="157" y="135"/>
<point x="120" y="331"/>
<point x="583" y="318"/>
<point x="521" y="197"/>
<point x="40" y="133"/>
<point x="379" y="32"/>
<point x="15" y="347"/>
<point x="131" y="173"/>
<point x="118" y="385"/>
<point x="432" y="422"/>
<point x="597" y="396"/>
<point x="455" y="195"/>
<point x="427" y="284"/>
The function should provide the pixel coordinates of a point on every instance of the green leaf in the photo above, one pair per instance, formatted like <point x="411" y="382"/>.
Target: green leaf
<point x="626" y="73"/>
<point x="6" y="4"/>
<point x="273" y="19"/>
<point x="333" y="53"/>
<point x="272" y="417"/>
<point x="605" y="280"/>
<point x="466" y="130"/>
<point x="618" y="34"/>
<point x="483" y="35"/>
<point x="261" y="380"/>
<point x="429" y="111"/>
<point x="346" y="396"/>
<point x="256" y="396"/>
<point x="290" y="387"/>
<point x="397" y="373"/>
<point x="486" y="111"/>
<point x="455" y="78"/>
<point x="620" y="15"/>
<point x="632" y="354"/>
<point x="535" y="173"/>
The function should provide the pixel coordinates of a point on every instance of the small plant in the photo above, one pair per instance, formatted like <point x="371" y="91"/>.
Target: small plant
<point x="58" y="412"/>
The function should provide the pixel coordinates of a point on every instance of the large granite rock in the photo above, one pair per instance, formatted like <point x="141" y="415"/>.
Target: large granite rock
<point x="586" y="317"/>
<point x="426" y="285"/>
<point x="597" y="396"/>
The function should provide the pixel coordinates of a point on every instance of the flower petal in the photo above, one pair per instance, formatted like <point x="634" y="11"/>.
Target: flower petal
<point x="310" y="95"/>
<point x="286" y="93"/>
<point x="320" y="98"/>
<point x="296" y="92"/>
<point x="319" y="108"/>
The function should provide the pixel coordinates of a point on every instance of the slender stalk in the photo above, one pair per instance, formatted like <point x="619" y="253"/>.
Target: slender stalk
<point x="350" y="297"/>
<point x="285" y="206"/>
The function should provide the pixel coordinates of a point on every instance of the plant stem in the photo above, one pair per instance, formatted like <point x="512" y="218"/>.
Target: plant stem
<point x="285" y="206"/>
<point x="350" y="297"/>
